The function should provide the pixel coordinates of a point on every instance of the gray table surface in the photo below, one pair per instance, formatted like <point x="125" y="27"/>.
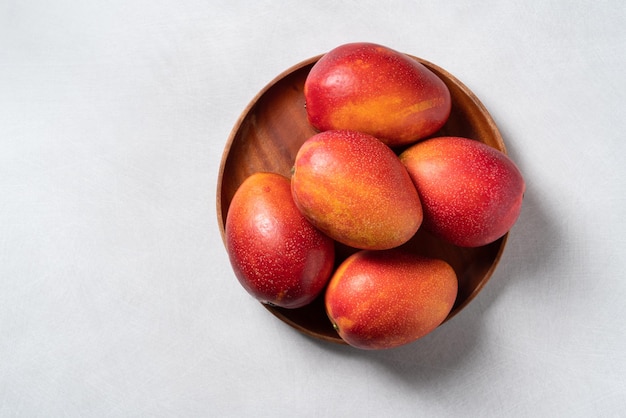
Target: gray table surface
<point x="116" y="294"/>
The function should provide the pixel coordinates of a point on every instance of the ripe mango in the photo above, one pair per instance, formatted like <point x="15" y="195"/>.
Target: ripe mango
<point x="354" y="188"/>
<point x="276" y="254"/>
<point x="385" y="299"/>
<point x="471" y="193"/>
<point x="374" y="89"/>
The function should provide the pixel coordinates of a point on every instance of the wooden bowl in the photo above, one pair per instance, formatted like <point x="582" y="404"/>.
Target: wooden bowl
<point x="267" y="137"/>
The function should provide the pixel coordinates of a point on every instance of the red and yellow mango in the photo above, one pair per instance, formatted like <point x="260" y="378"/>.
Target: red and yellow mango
<point x="385" y="299"/>
<point x="374" y="89"/>
<point x="355" y="189"/>
<point x="471" y="193"/>
<point x="276" y="254"/>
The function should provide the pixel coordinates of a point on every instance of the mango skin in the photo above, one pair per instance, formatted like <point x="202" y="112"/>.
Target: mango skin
<point x="354" y="188"/>
<point x="471" y="193"/>
<point x="276" y="254"/>
<point x="374" y="89"/>
<point x="384" y="299"/>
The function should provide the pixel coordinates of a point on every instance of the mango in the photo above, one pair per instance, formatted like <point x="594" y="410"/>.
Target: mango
<point x="471" y="193"/>
<point x="385" y="299"/>
<point x="374" y="89"/>
<point x="276" y="254"/>
<point x="354" y="188"/>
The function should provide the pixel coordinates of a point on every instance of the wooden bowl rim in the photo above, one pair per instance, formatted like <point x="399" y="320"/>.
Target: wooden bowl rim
<point x="253" y="102"/>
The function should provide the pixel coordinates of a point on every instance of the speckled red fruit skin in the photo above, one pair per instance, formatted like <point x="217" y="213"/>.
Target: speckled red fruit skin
<point x="384" y="299"/>
<point x="276" y="254"/>
<point x="471" y="193"/>
<point x="355" y="189"/>
<point x="374" y="89"/>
